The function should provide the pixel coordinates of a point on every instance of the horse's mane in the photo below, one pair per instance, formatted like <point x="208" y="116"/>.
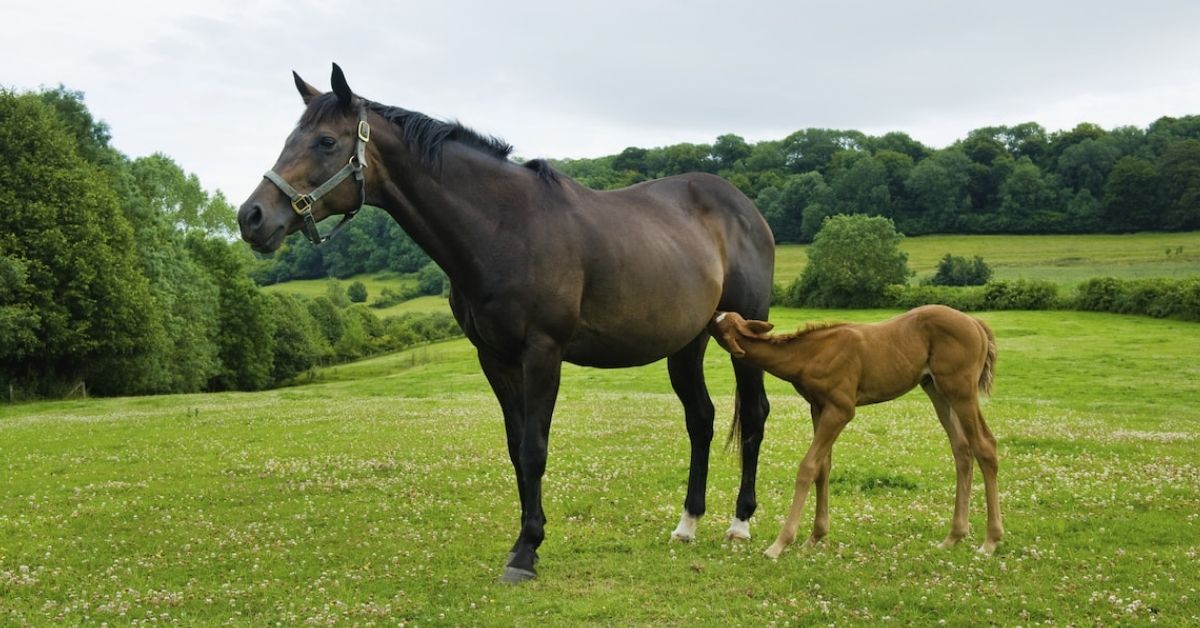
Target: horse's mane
<point x="799" y="333"/>
<point x="424" y="135"/>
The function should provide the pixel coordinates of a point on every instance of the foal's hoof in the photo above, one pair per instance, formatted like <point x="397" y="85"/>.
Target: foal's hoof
<point x="516" y="575"/>
<point x="774" y="551"/>
<point x="988" y="548"/>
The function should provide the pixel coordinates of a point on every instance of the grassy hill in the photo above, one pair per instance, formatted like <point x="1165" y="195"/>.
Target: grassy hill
<point x="382" y="493"/>
<point x="1063" y="259"/>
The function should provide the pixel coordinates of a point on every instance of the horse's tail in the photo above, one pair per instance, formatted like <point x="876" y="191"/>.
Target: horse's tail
<point x="987" y="376"/>
<point x="734" y="439"/>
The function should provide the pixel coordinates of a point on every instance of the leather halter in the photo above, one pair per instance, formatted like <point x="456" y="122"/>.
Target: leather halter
<point x="302" y="203"/>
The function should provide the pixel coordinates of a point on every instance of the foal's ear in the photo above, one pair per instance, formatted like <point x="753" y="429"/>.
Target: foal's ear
<point x="759" y="327"/>
<point x="341" y="87"/>
<point x="307" y="92"/>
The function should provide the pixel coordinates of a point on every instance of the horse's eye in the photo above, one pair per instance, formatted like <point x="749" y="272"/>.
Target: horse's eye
<point x="327" y="142"/>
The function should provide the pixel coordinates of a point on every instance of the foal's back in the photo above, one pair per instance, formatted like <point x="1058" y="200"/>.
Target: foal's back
<point x="933" y="340"/>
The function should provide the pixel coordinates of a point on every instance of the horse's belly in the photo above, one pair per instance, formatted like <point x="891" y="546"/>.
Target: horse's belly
<point x="618" y="351"/>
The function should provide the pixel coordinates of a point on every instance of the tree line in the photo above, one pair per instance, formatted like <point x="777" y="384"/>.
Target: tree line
<point x="122" y="276"/>
<point x="999" y="179"/>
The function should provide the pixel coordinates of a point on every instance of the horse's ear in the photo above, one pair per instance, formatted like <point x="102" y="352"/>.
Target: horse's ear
<point x="759" y="328"/>
<point x="307" y="92"/>
<point x="341" y="87"/>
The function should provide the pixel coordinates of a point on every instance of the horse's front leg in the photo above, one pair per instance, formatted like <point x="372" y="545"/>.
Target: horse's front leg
<point x="506" y="382"/>
<point x="686" y="368"/>
<point x="751" y="417"/>
<point x="541" y="368"/>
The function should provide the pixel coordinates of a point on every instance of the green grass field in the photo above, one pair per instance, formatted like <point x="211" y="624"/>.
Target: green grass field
<point x="382" y="494"/>
<point x="1065" y="260"/>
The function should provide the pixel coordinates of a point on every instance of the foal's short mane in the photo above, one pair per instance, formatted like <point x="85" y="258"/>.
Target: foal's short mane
<point x="424" y="135"/>
<point x="808" y="328"/>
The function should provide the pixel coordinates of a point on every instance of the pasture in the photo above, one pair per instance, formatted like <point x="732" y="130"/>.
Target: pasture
<point x="381" y="493"/>
<point x="1063" y="259"/>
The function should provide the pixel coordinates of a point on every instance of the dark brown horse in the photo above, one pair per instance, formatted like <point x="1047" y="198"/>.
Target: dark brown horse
<point x="541" y="270"/>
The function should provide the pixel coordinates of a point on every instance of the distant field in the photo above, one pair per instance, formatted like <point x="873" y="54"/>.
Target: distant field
<point x="1065" y="260"/>
<point x="381" y="494"/>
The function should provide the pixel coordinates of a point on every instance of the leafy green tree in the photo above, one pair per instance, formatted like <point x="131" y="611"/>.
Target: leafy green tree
<point x="729" y="149"/>
<point x="1085" y="165"/>
<point x="76" y="270"/>
<point x="851" y="262"/>
<point x="1028" y="199"/>
<point x="357" y="292"/>
<point x="296" y="342"/>
<point x="785" y="211"/>
<point x="1180" y="171"/>
<point x="247" y="328"/>
<point x="937" y="189"/>
<point x="862" y="187"/>
<point x="1132" y="196"/>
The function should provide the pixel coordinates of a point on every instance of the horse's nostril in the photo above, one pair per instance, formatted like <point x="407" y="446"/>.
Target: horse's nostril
<point x="255" y="217"/>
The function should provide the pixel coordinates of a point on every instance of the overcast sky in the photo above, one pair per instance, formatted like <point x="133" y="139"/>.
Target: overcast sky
<point x="209" y="82"/>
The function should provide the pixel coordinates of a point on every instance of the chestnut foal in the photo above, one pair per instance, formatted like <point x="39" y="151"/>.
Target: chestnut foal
<point x="838" y="367"/>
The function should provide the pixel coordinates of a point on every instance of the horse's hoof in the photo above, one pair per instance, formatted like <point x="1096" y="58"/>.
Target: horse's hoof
<point x="511" y="555"/>
<point x="987" y="549"/>
<point x="810" y="544"/>
<point x="686" y="530"/>
<point x="738" y="531"/>
<point x="516" y="575"/>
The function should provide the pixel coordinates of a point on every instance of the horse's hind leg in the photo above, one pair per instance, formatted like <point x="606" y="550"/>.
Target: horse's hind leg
<point x="686" y="368"/>
<point x="751" y="418"/>
<point x="961" y="449"/>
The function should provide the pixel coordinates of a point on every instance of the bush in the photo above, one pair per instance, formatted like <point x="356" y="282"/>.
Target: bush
<point x="1022" y="294"/>
<point x="960" y="271"/>
<point x="389" y="297"/>
<point x="965" y="299"/>
<point x="1160" y="298"/>
<point x="431" y="280"/>
<point x="852" y="261"/>
<point x="357" y="292"/>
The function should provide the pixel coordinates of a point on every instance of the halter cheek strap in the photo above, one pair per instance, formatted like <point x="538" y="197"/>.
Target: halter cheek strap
<point x="302" y="203"/>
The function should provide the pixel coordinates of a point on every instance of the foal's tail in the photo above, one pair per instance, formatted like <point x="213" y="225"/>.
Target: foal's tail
<point x="987" y="376"/>
<point x="734" y="440"/>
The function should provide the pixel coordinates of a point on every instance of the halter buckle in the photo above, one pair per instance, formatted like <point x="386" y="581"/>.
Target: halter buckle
<point x="302" y="204"/>
<point x="364" y="131"/>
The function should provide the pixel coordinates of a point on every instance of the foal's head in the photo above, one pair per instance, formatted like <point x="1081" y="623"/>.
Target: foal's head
<point x="322" y="144"/>
<point x="729" y="327"/>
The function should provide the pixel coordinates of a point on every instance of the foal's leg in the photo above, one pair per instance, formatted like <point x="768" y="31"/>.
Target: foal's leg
<point x="829" y="425"/>
<point x="686" y="368"/>
<point x="753" y="409"/>
<point x="821" y="518"/>
<point x="962" y="464"/>
<point x="541" y="368"/>
<point x="983" y="444"/>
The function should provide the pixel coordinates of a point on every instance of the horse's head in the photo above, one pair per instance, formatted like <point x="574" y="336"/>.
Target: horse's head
<point x="729" y="327"/>
<point x="319" y="173"/>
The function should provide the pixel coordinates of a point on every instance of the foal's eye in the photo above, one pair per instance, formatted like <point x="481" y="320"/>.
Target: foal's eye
<point x="327" y="142"/>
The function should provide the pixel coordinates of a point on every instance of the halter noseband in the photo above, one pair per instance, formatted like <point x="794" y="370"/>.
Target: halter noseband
<point x="302" y="203"/>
